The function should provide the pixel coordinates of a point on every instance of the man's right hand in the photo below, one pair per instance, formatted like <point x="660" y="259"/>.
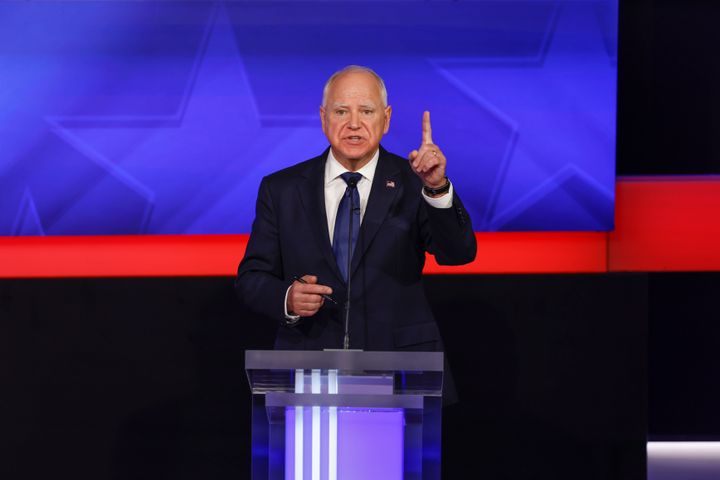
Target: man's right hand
<point x="305" y="299"/>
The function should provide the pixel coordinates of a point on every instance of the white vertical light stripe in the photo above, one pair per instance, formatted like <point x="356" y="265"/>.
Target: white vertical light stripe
<point x="299" y="388"/>
<point x="332" y="427"/>
<point x="315" y="388"/>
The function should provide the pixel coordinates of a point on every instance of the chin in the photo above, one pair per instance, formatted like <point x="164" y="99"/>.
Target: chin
<point x="353" y="154"/>
<point x="356" y="153"/>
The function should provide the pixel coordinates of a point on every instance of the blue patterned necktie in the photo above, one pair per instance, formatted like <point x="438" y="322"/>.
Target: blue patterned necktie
<point x="342" y="221"/>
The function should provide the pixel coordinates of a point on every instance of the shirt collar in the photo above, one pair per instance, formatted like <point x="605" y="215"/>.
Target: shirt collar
<point x="333" y="168"/>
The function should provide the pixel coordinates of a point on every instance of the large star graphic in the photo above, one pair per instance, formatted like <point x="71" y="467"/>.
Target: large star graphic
<point x="197" y="170"/>
<point x="492" y="74"/>
<point x="557" y="170"/>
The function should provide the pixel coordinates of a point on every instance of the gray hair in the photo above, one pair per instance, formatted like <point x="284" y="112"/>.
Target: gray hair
<point x="351" y="69"/>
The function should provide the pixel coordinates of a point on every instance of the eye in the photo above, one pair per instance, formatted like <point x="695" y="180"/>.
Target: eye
<point x="340" y="113"/>
<point x="368" y="112"/>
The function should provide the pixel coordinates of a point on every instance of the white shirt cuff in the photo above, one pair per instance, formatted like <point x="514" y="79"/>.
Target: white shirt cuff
<point x="440" y="202"/>
<point x="291" y="319"/>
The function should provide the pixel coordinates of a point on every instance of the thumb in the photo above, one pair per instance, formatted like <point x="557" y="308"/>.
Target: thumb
<point x="413" y="155"/>
<point x="312" y="279"/>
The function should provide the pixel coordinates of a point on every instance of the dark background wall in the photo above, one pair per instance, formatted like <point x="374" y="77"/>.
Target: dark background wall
<point x="669" y="124"/>
<point x="668" y="96"/>
<point x="143" y="378"/>
<point x="684" y="328"/>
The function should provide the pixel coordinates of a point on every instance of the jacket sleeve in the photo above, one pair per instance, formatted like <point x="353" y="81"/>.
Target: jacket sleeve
<point x="448" y="233"/>
<point x="259" y="283"/>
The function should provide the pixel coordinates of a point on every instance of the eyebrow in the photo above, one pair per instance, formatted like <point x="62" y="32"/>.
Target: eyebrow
<point x="345" y="105"/>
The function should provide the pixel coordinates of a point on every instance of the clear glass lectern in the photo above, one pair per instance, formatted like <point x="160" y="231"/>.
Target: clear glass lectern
<point x="345" y="414"/>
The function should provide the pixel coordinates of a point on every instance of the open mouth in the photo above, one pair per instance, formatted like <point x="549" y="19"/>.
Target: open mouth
<point x="354" y="138"/>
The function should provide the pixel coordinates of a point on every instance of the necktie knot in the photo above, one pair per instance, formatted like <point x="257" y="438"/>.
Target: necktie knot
<point x="351" y="178"/>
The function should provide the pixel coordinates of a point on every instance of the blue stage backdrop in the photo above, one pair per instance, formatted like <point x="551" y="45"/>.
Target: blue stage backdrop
<point x="162" y="117"/>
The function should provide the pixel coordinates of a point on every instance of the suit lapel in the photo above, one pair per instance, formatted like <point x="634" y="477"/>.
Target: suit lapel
<point x="385" y="187"/>
<point x="312" y="196"/>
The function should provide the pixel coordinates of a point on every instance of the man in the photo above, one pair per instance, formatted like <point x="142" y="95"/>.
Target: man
<point x="310" y="240"/>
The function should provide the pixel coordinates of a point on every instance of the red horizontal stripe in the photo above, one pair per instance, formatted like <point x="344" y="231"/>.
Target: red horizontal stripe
<point x="666" y="224"/>
<point x="533" y="252"/>
<point x="661" y="224"/>
<point x="121" y="255"/>
<point x="211" y="255"/>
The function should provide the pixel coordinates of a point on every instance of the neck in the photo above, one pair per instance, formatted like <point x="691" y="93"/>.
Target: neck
<point x="353" y="164"/>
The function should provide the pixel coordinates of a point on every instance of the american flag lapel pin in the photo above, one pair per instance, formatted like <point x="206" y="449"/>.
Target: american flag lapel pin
<point x="390" y="183"/>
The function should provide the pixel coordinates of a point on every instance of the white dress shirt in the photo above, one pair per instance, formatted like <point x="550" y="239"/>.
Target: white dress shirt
<point x="335" y="189"/>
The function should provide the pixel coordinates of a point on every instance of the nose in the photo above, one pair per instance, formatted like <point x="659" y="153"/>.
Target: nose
<point x="354" y="120"/>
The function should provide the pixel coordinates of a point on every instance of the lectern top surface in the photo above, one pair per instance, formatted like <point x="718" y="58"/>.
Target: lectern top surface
<point x="350" y="360"/>
<point x="343" y="371"/>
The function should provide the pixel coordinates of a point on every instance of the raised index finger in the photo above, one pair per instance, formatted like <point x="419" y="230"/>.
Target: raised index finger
<point x="426" y="128"/>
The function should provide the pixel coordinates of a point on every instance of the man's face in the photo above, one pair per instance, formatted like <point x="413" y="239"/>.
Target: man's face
<point x="354" y="119"/>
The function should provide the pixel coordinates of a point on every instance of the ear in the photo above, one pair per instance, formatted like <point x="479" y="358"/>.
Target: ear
<point x="322" y="118"/>
<point x="388" y="113"/>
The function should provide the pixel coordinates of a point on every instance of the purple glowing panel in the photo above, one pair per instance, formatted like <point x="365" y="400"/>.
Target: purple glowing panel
<point x="370" y="444"/>
<point x="162" y="117"/>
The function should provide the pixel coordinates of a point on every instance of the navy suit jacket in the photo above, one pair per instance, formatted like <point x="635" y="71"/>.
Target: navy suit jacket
<point x="389" y="310"/>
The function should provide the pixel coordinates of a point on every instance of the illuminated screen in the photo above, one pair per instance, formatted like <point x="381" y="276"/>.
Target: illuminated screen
<point x="162" y="117"/>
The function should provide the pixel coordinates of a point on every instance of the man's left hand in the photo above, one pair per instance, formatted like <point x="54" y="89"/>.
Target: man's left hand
<point x="428" y="161"/>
